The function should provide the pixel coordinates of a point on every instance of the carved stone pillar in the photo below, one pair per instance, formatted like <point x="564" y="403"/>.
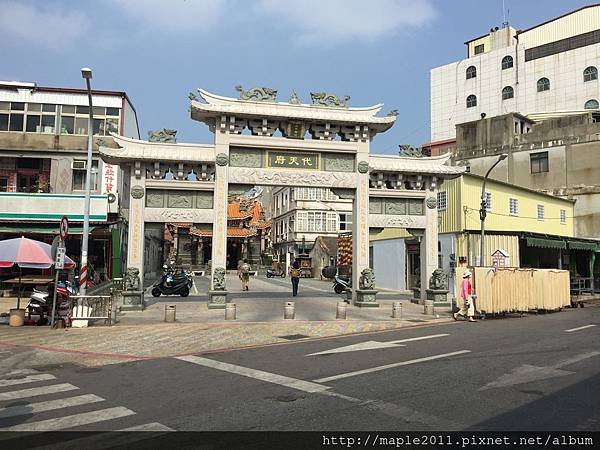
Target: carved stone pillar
<point x="360" y="221"/>
<point x="429" y="243"/>
<point x="218" y="298"/>
<point x="135" y="240"/>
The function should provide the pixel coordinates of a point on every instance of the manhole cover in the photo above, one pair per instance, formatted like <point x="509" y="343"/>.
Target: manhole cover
<point x="292" y="337"/>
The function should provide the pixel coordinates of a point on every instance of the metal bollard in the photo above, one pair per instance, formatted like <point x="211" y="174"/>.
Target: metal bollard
<point x="289" y="310"/>
<point x="340" y="312"/>
<point x="230" y="311"/>
<point x="170" y="313"/>
<point x="397" y="310"/>
<point x="428" y="307"/>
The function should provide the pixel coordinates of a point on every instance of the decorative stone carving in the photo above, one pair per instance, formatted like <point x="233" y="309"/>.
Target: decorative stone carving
<point x="396" y="206"/>
<point x="245" y="158"/>
<point x="222" y="159"/>
<point x="338" y="163"/>
<point x="137" y="191"/>
<point x="392" y="113"/>
<point x="294" y="99"/>
<point x="164" y="135"/>
<point x="204" y="200"/>
<point x="192" y="96"/>
<point x="363" y="167"/>
<point x="403" y="221"/>
<point x="132" y="279"/>
<point x="162" y="215"/>
<point x="327" y="99"/>
<point x="438" y="280"/>
<point x="431" y="202"/>
<point x="325" y="131"/>
<point x="259" y="94"/>
<point x="367" y="279"/>
<point x="179" y="199"/>
<point x="376" y="205"/>
<point x="154" y="198"/>
<point x="410" y="152"/>
<point x="219" y="279"/>
<point x="274" y="177"/>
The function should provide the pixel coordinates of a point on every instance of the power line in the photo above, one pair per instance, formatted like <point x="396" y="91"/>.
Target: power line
<point x="520" y="217"/>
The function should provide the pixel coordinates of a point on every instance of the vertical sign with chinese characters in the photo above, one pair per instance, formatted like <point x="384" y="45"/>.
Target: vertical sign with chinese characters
<point x="110" y="174"/>
<point x="293" y="160"/>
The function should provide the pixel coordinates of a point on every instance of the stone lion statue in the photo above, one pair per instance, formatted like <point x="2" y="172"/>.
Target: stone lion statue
<point x="438" y="280"/>
<point x="219" y="279"/>
<point x="367" y="279"/>
<point x="132" y="279"/>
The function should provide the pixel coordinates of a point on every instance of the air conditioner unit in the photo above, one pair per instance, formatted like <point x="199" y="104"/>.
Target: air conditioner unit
<point x="80" y="165"/>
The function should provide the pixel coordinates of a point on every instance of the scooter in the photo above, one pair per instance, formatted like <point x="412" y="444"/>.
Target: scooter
<point x="40" y="302"/>
<point x="275" y="273"/>
<point x="341" y="284"/>
<point x="171" y="284"/>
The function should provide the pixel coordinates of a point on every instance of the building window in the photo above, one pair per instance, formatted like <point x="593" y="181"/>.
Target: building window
<point x="508" y="92"/>
<point x="471" y="101"/>
<point x="563" y="216"/>
<point x="319" y="194"/>
<point x="74" y="120"/>
<point x="79" y="169"/>
<point x="488" y="201"/>
<point x="513" y="206"/>
<point x="3" y="184"/>
<point x="590" y="74"/>
<point x="317" y="221"/>
<point x="507" y="62"/>
<point x="540" y="212"/>
<point x="479" y="49"/>
<point x="471" y="72"/>
<point x="442" y="200"/>
<point x="345" y="222"/>
<point x="543" y="84"/>
<point x="539" y="162"/>
<point x="591" y="104"/>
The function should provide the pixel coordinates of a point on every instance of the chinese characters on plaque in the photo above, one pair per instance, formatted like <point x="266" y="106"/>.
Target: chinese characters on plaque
<point x="295" y="160"/>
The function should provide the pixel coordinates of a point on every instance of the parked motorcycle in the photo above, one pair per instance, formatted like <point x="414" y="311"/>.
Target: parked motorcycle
<point x="40" y="302"/>
<point x="172" y="283"/>
<point x="340" y="284"/>
<point x="275" y="273"/>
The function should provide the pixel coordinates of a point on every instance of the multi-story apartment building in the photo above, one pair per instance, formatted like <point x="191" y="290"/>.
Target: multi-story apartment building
<point x="300" y="215"/>
<point x="43" y="151"/>
<point x="551" y="67"/>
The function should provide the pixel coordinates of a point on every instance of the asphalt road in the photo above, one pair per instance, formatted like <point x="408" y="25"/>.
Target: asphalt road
<point x="538" y="372"/>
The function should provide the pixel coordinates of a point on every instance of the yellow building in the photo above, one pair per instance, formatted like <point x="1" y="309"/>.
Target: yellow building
<point x="523" y="228"/>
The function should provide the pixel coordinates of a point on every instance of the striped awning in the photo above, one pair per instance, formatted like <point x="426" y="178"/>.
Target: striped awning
<point x="582" y="245"/>
<point x="546" y="243"/>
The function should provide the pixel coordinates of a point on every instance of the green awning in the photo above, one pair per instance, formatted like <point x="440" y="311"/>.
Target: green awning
<point x="25" y="229"/>
<point x="582" y="245"/>
<point x="546" y="243"/>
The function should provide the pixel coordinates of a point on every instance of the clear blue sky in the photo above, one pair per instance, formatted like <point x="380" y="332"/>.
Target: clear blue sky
<point x="159" y="50"/>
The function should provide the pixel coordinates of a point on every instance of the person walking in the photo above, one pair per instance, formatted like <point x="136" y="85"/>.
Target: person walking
<point x="466" y="291"/>
<point x="294" y="273"/>
<point x="244" y="274"/>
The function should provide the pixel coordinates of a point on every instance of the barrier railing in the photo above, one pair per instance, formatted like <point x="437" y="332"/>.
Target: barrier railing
<point x="92" y="307"/>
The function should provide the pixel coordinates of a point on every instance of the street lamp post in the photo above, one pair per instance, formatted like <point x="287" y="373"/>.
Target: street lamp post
<point x="483" y="209"/>
<point x="86" y="73"/>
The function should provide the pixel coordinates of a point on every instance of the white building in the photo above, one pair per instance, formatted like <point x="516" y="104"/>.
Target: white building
<point x="43" y="157"/>
<point x="551" y="67"/>
<point x="301" y="214"/>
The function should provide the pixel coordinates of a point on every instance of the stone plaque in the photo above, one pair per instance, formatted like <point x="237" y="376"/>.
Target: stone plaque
<point x="293" y="160"/>
<point x="155" y="198"/>
<point x="204" y="200"/>
<point x="376" y="205"/>
<point x="295" y="130"/>
<point x="180" y="199"/>
<point x="245" y="157"/>
<point x="395" y="206"/>
<point x="338" y="163"/>
<point x="415" y="207"/>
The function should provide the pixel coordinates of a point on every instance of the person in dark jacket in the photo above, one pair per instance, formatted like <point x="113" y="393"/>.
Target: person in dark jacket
<point x="294" y="273"/>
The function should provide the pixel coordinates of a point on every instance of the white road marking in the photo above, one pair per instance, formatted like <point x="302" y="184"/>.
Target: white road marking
<point x="75" y="420"/>
<point x="32" y="408"/>
<point x="293" y="383"/>
<point x="579" y="328"/>
<point x="27" y="379"/>
<point x="371" y="345"/>
<point x="32" y="392"/>
<point x="390" y="366"/>
<point x="528" y="373"/>
<point x="154" y="426"/>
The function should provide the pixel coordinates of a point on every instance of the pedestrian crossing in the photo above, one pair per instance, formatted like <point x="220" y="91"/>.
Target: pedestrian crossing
<point x="31" y="401"/>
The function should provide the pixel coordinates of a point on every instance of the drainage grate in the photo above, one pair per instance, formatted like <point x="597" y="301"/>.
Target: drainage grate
<point x="292" y="337"/>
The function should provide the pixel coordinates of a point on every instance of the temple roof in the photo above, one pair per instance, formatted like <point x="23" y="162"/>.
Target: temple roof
<point x="231" y="232"/>
<point x="434" y="165"/>
<point x="217" y="105"/>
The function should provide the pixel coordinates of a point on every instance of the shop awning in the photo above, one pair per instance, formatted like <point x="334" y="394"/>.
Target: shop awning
<point x="582" y="245"/>
<point x="546" y="243"/>
<point x="24" y="229"/>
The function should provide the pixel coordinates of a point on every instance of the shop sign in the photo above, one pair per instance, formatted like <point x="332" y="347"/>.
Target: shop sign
<point x="293" y="160"/>
<point x="109" y="178"/>
<point x="500" y="258"/>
